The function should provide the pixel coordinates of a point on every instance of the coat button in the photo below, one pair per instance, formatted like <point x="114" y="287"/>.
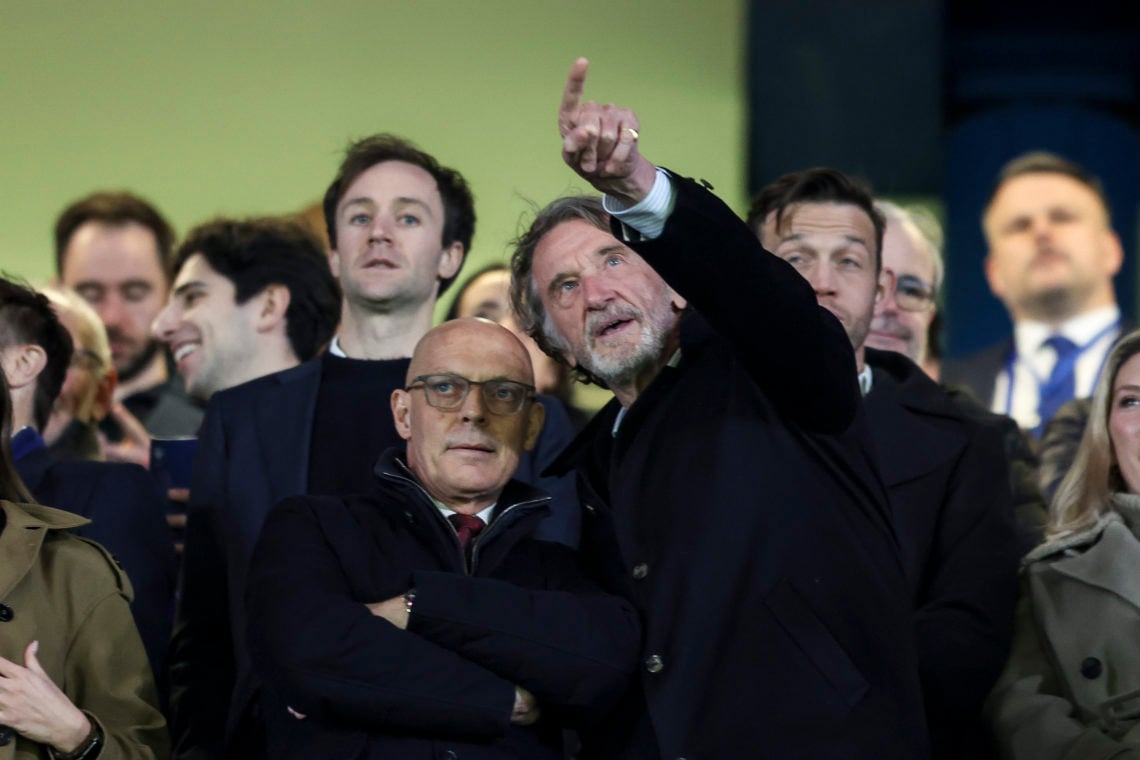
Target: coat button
<point x="654" y="663"/>
<point x="640" y="570"/>
<point x="6" y="736"/>
<point x="410" y="518"/>
<point x="5" y="613"/>
<point x="1091" y="667"/>
<point x="449" y="755"/>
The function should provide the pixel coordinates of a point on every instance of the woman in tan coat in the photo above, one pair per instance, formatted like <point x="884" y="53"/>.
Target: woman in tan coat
<point x="74" y="679"/>
<point x="1071" y="688"/>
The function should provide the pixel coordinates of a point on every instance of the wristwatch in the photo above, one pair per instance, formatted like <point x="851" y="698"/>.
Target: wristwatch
<point x="88" y="750"/>
<point x="409" y="601"/>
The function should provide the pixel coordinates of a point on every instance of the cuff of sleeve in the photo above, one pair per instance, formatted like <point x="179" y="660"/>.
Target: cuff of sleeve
<point x="646" y="219"/>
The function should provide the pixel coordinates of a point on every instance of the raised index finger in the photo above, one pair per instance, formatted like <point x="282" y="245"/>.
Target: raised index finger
<point x="575" y="84"/>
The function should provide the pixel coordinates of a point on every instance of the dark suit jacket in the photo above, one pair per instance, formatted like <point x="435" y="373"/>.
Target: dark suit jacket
<point x="740" y="510"/>
<point x="253" y="452"/>
<point x="523" y="614"/>
<point x="128" y="517"/>
<point x="977" y="372"/>
<point x="950" y="494"/>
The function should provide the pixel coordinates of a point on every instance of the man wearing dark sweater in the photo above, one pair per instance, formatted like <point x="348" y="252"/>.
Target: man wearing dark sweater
<point x="399" y="227"/>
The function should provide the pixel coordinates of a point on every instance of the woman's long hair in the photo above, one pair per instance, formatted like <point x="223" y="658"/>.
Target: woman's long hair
<point x="12" y="488"/>
<point x="1083" y="496"/>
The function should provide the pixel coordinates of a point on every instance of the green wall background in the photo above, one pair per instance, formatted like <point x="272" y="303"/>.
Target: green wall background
<point x="212" y="107"/>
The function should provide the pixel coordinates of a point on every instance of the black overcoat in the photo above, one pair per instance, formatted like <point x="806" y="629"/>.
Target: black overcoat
<point x="524" y="614"/>
<point x="739" y="508"/>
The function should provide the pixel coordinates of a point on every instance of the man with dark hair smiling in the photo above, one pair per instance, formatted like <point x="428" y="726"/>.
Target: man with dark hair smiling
<point x="250" y="298"/>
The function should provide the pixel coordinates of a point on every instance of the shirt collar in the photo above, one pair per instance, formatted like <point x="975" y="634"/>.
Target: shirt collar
<point x="1029" y="335"/>
<point x="866" y="379"/>
<point x="25" y="441"/>
<point x="446" y="511"/>
<point x="674" y="362"/>
<point x="335" y="349"/>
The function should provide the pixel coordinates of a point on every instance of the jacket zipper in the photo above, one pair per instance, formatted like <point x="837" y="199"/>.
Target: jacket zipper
<point x="478" y="539"/>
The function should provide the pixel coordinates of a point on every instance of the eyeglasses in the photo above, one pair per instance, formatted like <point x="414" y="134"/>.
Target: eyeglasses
<point x="447" y="392"/>
<point x="912" y="294"/>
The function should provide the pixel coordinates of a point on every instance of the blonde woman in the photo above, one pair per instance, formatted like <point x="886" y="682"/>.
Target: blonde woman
<point x="1071" y="688"/>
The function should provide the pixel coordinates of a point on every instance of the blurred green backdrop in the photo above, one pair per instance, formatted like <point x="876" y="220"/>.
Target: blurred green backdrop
<point x="212" y="107"/>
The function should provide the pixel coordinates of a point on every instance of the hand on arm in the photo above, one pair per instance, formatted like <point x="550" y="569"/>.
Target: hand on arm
<point x="135" y="446"/>
<point x="397" y="612"/>
<point x="33" y="706"/>
<point x="599" y="142"/>
<point x="394" y="610"/>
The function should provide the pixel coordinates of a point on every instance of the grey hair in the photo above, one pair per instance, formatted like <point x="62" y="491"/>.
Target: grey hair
<point x="923" y="230"/>
<point x="525" y="298"/>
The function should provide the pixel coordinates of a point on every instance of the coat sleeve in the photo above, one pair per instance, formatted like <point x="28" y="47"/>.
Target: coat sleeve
<point x="1029" y="716"/>
<point x="966" y="606"/>
<point x="202" y="669"/>
<point x="795" y="350"/>
<point x="330" y="658"/>
<point x="572" y="646"/>
<point x="109" y="678"/>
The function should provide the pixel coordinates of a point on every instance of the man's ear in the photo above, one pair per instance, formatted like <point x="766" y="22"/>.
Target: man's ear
<point x="451" y="261"/>
<point x="535" y="417"/>
<point x="402" y="413"/>
<point x="995" y="283"/>
<point x="273" y="303"/>
<point x="676" y="301"/>
<point x="23" y="364"/>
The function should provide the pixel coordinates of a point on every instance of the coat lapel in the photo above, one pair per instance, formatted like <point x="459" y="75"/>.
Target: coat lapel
<point x="284" y="421"/>
<point x="1112" y="566"/>
<point x="909" y="446"/>
<point x="25" y="526"/>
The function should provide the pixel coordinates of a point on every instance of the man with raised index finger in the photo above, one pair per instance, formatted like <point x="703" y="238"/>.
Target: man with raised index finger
<point x="731" y="493"/>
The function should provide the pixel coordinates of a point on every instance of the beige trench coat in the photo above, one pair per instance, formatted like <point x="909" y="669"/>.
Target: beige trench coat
<point x="70" y="595"/>
<point x="1071" y="688"/>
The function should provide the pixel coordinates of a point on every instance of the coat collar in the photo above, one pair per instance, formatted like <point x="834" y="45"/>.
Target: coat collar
<point x="25" y="526"/>
<point x="1105" y="555"/>
<point x="901" y="408"/>
<point x="285" y="438"/>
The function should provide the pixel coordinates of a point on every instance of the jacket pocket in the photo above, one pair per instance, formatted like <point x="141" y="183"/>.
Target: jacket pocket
<point x="807" y="631"/>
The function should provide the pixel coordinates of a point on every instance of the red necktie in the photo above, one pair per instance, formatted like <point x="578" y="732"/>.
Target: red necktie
<point x="466" y="528"/>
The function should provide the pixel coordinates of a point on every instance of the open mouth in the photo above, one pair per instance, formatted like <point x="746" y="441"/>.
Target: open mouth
<point x="614" y="326"/>
<point x="184" y="350"/>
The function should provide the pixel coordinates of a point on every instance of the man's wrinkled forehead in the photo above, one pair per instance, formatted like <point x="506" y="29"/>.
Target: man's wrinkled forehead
<point x="799" y="220"/>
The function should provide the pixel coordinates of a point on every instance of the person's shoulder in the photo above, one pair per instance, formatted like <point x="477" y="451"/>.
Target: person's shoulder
<point x="257" y="386"/>
<point x="85" y="567"/>
<point x="959" y="370"/>
<point x="1073" y="544"/>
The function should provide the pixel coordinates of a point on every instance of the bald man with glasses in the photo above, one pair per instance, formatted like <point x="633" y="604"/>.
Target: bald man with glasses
<point x="422" y="619"/>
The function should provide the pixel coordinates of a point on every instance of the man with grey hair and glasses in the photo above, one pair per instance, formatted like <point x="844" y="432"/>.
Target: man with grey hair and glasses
<point x="911" y="249"/>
